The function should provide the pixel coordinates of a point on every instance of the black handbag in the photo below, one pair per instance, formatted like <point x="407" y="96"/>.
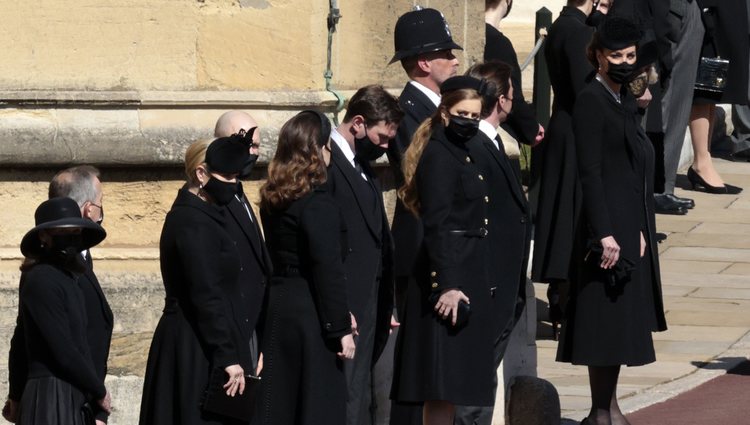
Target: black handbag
<point x="88" y="415"/>
<point x="241" y="406"/>
<point x="712" y="71"/>
<point x="462" y="315"/>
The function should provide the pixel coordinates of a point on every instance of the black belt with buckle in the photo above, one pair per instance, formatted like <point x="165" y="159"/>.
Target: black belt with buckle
<point x="478" y="233"/>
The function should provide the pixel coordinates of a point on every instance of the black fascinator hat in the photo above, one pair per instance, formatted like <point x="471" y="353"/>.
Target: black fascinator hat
<point x="228" y="154"/>
<point x="60" y="213"/>
<point x="617" y="33"/>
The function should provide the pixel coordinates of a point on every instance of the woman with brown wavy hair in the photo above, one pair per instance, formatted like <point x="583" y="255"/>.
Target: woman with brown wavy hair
<point x="308" y="330"/>
<point x="445" y="343"/>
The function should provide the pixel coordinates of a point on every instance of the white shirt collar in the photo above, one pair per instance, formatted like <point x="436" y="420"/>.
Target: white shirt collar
<point x="434" y="97"/>
<point x="489" y="130"/>
<point x="343" y="145"/>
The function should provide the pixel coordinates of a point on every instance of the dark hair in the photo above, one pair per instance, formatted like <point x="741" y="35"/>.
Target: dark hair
<point x="493" y="4"/>
<point x="375" y="104"/>
<point x="298" y="166"/>
<point x="495" y="72"/>
<point x="595" y="45"/>
<point x="76" y="183"/>
<point x="576" y="3"/>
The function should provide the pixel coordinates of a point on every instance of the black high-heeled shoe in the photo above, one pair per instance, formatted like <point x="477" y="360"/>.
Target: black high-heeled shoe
<point x="698" y="183"/>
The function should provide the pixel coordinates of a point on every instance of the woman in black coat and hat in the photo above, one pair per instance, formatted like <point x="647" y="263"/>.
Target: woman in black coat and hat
<point x="308" y="328"/>
<point x="201" y="333"/>
<point x="444" y="350"/>
<point x="62" y="385"/>
<point x="615" y="301"/>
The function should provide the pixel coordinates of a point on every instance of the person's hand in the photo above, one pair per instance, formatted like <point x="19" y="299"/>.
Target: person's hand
<point x="236" y="382"/>
<point x="355" y="330"/>
<point x="10" y="411"/>
<point x="645" y="99"/>
<point x="259" y="369"/>
<point x="643" y="245"/>
<point x="447" y="304"/>
<point x="539" y="136"/>
<point x="106" y="403"/>
<point x="347" y="347"/>
<point x="610" y="252"/>
<point x="394" y="324"/>
<point x="98" y="422"/>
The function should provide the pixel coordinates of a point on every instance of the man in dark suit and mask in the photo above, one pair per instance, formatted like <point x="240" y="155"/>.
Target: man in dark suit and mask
<point x="370" y="124"/>
<point x="82" y="184"/>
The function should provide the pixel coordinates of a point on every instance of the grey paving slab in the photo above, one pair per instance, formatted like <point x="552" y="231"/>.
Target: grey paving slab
<point x="704" y="254"/>
<point x="723" y="229"/>
<point x="692" y="266"/>
<point x="708" y="318"/>
<point x="713" y="239"/>
<point x="698" y="348"/>
<point x="738" y="269"/>
<point x="726" y="293"/>
<point x="677" y="291"/>
<point x="693" y="333"/>
<point x="667" y="224"/>
<point x="706" y="280"/>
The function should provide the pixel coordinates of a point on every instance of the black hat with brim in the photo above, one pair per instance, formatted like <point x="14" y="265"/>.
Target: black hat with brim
<point x="617" y="33"/>
<point x="421" y="31"/>
<point x="228" y="155"/>
<point x="60" y="213"/>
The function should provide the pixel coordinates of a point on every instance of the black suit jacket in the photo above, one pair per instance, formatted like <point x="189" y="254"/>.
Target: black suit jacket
<point x="369" y="262"/>
<point x="406" y="229"/>
<point x="255" y="263"/>
<point x="53" y="331"/>
<point x="99" y="322"/>
<point x="509" y="229"/>
<point x="521" y="123"/>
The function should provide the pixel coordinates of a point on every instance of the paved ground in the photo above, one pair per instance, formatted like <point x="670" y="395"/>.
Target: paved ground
<point x="705" y="266"/>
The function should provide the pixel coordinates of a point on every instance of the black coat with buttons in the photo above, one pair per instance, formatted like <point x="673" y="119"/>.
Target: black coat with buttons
<point x="435" y="360"/>
<point x="204" y="324"/>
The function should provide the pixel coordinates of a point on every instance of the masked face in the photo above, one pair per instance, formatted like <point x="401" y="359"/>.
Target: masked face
<point x="221" y="192"/>
<point x="461" y="129"/>
<point x="365" y="149"/>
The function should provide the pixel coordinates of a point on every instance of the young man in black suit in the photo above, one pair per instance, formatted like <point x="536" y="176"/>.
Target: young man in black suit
<point x="82" y="184"/>
<point x="243" y="227"/>
<point x="509" y="224"/>
<point x="370" y="124"/>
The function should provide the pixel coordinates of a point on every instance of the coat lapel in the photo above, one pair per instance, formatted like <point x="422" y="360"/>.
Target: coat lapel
<point x="93" y="281"/>
<point x="250" y="229"/>
<point x="339" y="161"/>
<point x="502" y="159"/>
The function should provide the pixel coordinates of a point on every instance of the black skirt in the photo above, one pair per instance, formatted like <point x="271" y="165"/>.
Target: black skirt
<point x="51" y="401"/>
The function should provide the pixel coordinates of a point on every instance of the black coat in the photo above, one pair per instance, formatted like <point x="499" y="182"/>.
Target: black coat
<point x="727" y="31"/>
<point x="54" y="329"/>
<point x="521" y="123"/>
<point x="434" y="360"/>
<point x="554" y="161"/>
<point x="509" y="228"/>
<point x="99" y="322"/>
<point x="369" y="262"/>
<point x="255" y="264"/>
<point x="611" y="323"/>
<point x="307" y="313"/>
<point x="206" y="322"/>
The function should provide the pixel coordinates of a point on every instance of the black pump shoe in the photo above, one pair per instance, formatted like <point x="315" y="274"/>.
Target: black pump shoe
<point x="665" y="205"/>
<point x="697" y="181"/>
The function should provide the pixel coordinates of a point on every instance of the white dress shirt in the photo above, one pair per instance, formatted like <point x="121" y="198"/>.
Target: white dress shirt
<point x="347" y="150"/>
<point x="434" y="97"/>
<point x="490" y="131"/>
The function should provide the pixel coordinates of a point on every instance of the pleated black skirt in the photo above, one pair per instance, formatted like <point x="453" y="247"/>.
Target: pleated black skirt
<point x="51" y="401"/>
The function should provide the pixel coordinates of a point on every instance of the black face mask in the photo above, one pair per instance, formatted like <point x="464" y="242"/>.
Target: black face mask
<point x="221" y="192"/>
<point x="461" y="129"/>
<point x="365" y="150"/>
<point x="621" y="73"/>
<point x="101" y="216"/>
<point x="65" y="251"/>
<point x="595" y="18"/>
<point x="248" y="167"/>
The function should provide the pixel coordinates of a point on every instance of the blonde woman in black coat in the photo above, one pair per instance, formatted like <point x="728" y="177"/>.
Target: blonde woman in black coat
<point x="204" y="330"/>
<point x="615" y="302"/>
<point x="61" y="380"/>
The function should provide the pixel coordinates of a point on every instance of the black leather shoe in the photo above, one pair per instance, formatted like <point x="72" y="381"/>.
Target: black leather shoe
<point x="664" y="205"/>
<point x="683" y="202"/>
<point x="741" y="156"/>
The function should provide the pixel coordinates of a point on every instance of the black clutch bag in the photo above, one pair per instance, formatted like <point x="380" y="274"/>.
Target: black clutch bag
<point x="712" y="74"/>
<point x="87" y="414"/>
<point x="240" y="407"/>
<point x="464" y="311"/>
<point x="621" y="271"/>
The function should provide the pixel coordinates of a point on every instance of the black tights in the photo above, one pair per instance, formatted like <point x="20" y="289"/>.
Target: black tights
<point x="604" y="407"/>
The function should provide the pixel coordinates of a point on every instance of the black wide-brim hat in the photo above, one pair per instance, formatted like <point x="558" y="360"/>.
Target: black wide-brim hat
<point x="421" y="31"/>
<point x="60" y="213"/>
<point x="228" y="154"/>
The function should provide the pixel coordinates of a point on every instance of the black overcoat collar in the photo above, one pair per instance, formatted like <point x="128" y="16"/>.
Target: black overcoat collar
<point x="502" y="160"/>
<point x="251" y="230"/>
<point x="416" y="103"/>
<point x="89" y="274"/>
<point x="187" y="199"/>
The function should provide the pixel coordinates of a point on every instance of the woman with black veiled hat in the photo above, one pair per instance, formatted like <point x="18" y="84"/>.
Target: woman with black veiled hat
<point x="444" y="351"/>
<point x="202" y="336"/>
<point x="615" y="301"/>
<point x="62" y="383"/>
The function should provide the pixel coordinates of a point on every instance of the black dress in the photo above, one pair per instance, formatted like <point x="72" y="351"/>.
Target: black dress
<point x="306" y="315"/>
<point x="554" y="160"/>
<point x="203" y="327"/>
<point x="610" y="322"/>
<point x="434" y="360"/>
<point x="61" y="375"/>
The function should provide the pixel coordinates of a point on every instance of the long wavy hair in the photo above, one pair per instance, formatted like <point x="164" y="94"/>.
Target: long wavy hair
<point x="297" y="167"/>
<point x="408" y="193"/>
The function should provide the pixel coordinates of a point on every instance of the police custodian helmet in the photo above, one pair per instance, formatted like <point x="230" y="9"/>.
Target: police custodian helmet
<point x="421" y="31"/>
